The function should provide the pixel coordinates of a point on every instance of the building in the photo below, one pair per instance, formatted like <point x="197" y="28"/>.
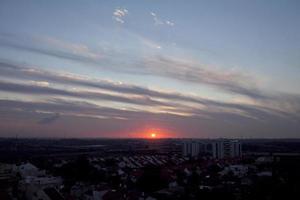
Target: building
<point x="8" y="178"/>
<point x="193" y="148"/>
<point x="221" y="148"/>
<point x="34" y="192"/>
<point x="28" y="169"/>
<point x="190" y="148"/>
<point x="226" y="148"/>
<point x="7" y="175"/>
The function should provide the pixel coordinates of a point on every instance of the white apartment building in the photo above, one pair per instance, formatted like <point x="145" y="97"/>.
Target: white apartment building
<point x="226" y="148"/>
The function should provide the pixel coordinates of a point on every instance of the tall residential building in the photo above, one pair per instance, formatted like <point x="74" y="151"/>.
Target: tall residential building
<point x="222" y="148"/>
<point x="226" y="148"/>
<point x="192" y="148"/>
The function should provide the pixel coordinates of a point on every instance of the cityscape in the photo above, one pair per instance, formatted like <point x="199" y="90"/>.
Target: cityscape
<point x="93" y="169"/>
<point x="149" y="100"/>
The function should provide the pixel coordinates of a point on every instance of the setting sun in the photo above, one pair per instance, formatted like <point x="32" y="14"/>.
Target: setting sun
<point x="153" y="135"/>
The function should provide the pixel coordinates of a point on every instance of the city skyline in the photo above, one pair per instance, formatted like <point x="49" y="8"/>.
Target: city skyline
<point x="161" y="69"/>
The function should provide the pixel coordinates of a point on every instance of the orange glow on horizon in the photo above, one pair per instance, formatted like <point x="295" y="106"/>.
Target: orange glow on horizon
<point x="152" y="133"/>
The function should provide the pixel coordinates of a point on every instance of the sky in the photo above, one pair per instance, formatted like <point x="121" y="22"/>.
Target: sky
<point x="200" y="69"/>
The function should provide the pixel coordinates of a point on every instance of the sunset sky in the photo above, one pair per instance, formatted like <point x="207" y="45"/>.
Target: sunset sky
<point x="204" y="69"/>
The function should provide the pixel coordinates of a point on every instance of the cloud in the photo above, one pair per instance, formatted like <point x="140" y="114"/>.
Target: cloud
<point x="119" y="15"/>
<point x="170" y="23"/>
<point x="51" y="47"/>
<point x="150" y="43"/>
<point x="182" y="69"/>
<point x="80" y="114"/>
<point x="119" y="20"/>
<point x="158" y="21"/>
<point x="284" y="106"/>
<point x="40" y="83"/>
<point x="49" y="120"/>
<point x="74" y="108"/>
<point x="194" y="116"/>
<point x="159" y="65"/>
<point x="120" y="12"/>
<point x="189" y="71"/>
<point x="78" y="49"/>
<point x="49" y="91"/>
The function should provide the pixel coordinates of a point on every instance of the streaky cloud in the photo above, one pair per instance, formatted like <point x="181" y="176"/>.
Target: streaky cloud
<point x="157" y="65"/>
<point x="136" y="95"/>
<point x="83" y="113"/>
<point x="49" y="120"/>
